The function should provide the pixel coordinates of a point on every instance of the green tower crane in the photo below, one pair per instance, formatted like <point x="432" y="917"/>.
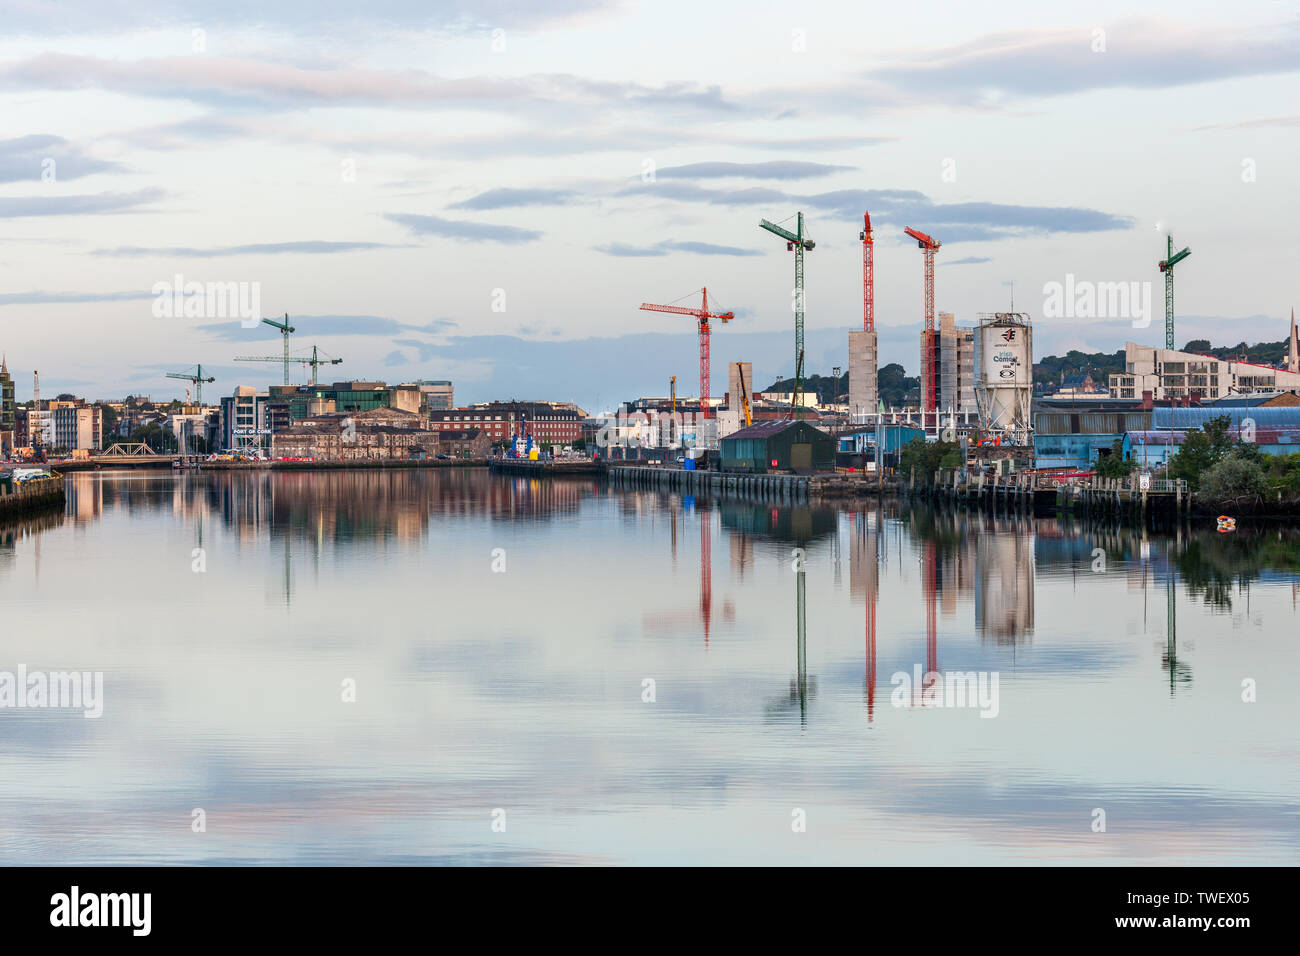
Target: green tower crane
<point x="1167" y="267"/>
<point x="795" y="242"/>
<point x="314" y="362"/>
<point x="285" y="330"/>
<point x="196" y="379"/>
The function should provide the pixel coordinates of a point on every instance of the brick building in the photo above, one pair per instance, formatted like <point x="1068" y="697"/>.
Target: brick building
<point x="467" y="443"/>
<point x="382" y="434"/>
<point x="547" y="423"/>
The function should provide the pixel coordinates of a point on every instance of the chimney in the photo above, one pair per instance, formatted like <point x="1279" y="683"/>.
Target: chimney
<point x="1147" y="398"/>
<point x="1293" y="348"/>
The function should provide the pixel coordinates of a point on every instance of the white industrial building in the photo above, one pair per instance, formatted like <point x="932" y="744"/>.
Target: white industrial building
<point x="1171" y="374"/>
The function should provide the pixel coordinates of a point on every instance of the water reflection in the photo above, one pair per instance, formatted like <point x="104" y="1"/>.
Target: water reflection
<point x="523" y="687"/>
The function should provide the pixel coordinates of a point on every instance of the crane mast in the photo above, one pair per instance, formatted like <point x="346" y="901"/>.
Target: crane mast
<point x="928" y="246"/>
<point x="702" y="316"/>
<point x="744" y="393"/>
<point x="868" y="275"/>
<point x="285" y="331"/>
<point x="196" y="379"/>
<point x="797" y="243"/>
<point x="1166" y="266"/>
<point x="315" y="361"/>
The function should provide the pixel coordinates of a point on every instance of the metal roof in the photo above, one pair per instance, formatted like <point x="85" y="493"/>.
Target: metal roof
<point x="1281" y="416"/>
<point x="768" y="429"/>
<point x="1246" y="400"/>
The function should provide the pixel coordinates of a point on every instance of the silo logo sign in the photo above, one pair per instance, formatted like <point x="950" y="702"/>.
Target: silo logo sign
<point x="1009" y="335"/>
<point x="1008" y="357"/>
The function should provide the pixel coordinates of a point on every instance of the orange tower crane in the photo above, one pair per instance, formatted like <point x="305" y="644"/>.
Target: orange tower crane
<point x="702" y="316"/>
<point x="928" y="246"/>
<point x="868" y="275"/>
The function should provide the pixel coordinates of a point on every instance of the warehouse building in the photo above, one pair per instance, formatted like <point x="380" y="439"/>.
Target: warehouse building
<point x="1073" y="435"/>
<point x="381" y="434"/>
<point x="1274" y="429"/>
<point x="465" y="443"/>
<point x="778" y="446"/>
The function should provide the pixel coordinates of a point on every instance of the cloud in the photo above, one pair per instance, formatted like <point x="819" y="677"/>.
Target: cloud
<point x="819" y="143"/>
<point x="460" y="229"/>
<point x="688" y="192"/>
<point x="434" y="326"/>
<point x="305" y="247"/>
<point x="310" y="325"/>
<point x="708" y="248"/>
<point x="232" y="81"/>
<point x="514" y="198"/>
<point x="778" y="169"/>
<point x="623" y="250"/>
<point x="968" y="261"/>
<point x="326" y="325"/>
<point x="55" y="298"/>
<point x="396" y="358"/>
<point x="20" y="207"/>
<point x="958" y="222"/>
<point x="302" y="17"/>
<point x="27" y="158"/>
<point x="1265" y="122"/>
<point x="1135" y="54"/>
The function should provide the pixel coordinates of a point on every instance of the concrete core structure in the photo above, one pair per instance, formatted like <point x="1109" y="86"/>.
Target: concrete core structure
<point x="864" y="393"/>
<point x="954" y="366"/>
<point x="733" y="382"/>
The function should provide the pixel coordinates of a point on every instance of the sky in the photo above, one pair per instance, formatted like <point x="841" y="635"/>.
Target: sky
<point x="486" y="192"/>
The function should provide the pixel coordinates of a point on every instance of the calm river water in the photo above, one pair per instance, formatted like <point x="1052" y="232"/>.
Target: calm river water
<point x="451" y="667"/>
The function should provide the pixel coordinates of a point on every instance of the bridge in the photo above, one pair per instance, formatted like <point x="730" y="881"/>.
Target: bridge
<point x="132" y="454"/>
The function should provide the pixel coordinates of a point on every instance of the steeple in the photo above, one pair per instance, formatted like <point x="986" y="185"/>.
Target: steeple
<point x="4" y="361"/>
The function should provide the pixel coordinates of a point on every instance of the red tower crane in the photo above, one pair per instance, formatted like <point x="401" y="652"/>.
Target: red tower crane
<point x="930" y="588"/>
<point x="868" y="275"/>
<point x="927" y="245"/>
<point x="706" y="570"/>
<point x="702" y="317"/>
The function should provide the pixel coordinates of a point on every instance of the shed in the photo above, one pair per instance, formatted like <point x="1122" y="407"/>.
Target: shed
<point x="778" y="446"/>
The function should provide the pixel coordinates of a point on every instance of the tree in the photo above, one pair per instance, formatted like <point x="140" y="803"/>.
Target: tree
<point x="1197" y="345"/>
<point x="893" y="385"/>
<point x="108" y="419"/>
<point x="1114" y="465"/>
<point x="927" y="457"/>
<point x="1284" y="474"/>
<point x="156" y="437"/>
<point x="1202" y="449"/>
<point x="1234" y="476"/>
<point x="823" y="389"/>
